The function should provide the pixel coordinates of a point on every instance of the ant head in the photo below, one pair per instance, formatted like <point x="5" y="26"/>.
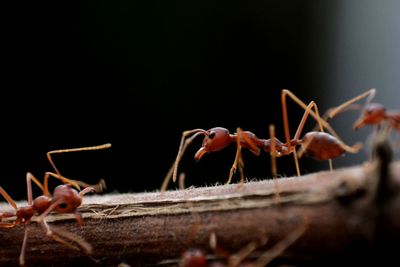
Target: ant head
<point x="193" y="258"/>
<point x="215" y="139"/>
<point x="68" y="198"/>
<point x="373" y="113"/>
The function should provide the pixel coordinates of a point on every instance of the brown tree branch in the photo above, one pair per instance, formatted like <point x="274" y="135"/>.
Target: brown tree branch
<point x="341" y="210"/>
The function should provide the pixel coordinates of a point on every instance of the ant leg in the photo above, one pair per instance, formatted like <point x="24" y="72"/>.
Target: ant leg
<point x="237" y="258"/>
<point x="242" y="138"/>
<point x="301" y="126"/>
<point x="59" y="235"/>
<point x="29" y="179"/>
<point x="238" y="157"/>
<point x="7" y="225"/>
<point x="182" y="147"/>
<point x="86" y="190"/>
<point x="273" y="162"/>
<point x="327" y="113"/>
<point x="8" y="198"/>
<point x="167" y="179"/>
<point x="105" y="146"/>
<point x="241" y="167"/>
<point x="78" y="216"/>
<point x="99" y="187"/>
<point x="351" y="149"/>
<point x="182" y="177"/>
<point x="281" y="246"/>
<point x="370" y="93"/>
<point x="273" y="150"/>
<point x="22" y="253"/>
<point x="287" y="130"/>
<point x="60" y="177"/>
<point x="172" y="173"/>
<point x="219" y="251"/>
<point x="325" y="124"/>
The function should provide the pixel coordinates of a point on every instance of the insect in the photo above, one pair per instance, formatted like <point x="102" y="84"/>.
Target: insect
<point x="64" y="199"/>
<point x="216" y="139"/>
<point x="372" y="113"/>
<point x="317" y="144"/>
<point x="198" y="258"/>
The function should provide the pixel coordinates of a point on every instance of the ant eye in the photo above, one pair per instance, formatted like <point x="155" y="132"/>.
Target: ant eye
<point x="62" y="205"/>
<point x="211" y="135"/>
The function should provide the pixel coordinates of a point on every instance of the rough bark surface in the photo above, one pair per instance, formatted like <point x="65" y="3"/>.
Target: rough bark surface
<point x="345" y="221"/>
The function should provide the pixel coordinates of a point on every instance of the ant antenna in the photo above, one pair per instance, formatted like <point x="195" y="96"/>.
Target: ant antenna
<point x="182" y="147"/>
<point x="99" y="147"/>
<point x="370" y="94"/>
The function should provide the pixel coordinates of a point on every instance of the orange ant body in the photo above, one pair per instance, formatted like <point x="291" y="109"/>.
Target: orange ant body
<point x="372" y="113"/>
<point x="317" y="144"/>
<point x="64" y="199"/>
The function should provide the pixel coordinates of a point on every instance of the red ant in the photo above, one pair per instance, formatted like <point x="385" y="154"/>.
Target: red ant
<point x="63" y="200"/>
<point x="372" y="113"/>
<point x="197" y="258"/>
<point x="317" y="144"/>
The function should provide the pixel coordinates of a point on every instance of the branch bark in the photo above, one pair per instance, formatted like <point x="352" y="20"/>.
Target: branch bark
<point x="344" y="219"/>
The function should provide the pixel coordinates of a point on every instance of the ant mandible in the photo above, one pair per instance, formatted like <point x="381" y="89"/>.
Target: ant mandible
<point x="372" y="113"/>
<point x="63" y="200"/>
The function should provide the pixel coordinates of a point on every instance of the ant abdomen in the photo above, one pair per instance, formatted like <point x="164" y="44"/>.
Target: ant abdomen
<point x="321" y="145"/>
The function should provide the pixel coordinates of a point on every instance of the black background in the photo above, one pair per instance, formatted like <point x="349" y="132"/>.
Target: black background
<point x="136" y="74"/>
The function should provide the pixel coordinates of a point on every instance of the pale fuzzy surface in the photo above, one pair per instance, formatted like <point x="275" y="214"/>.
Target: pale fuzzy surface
<point x="261" y="187"/>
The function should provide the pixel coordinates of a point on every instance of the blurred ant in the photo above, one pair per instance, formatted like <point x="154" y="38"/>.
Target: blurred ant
<point x="317" y="144"/>
<point x="372" y="113"/>
<point x="198" y="258"/>
<point x="63" y="200"/>
<point x="194" y="257"/>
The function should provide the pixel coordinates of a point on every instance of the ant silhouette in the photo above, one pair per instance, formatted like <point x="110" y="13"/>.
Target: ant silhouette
<point x="372" y="113"/>
<point x="317" y="144"/>
<point x="64" y="199"/>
